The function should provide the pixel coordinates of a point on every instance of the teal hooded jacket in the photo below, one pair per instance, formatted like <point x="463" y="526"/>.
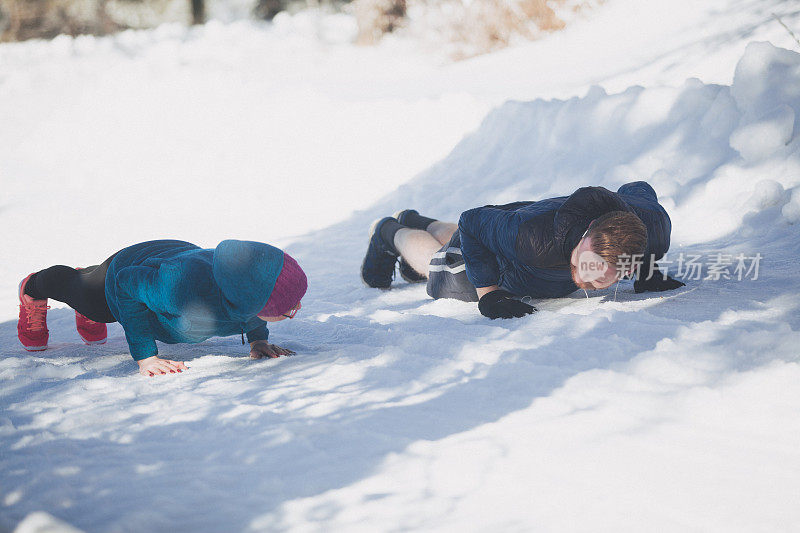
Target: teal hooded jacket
<point x="175" y="291"/>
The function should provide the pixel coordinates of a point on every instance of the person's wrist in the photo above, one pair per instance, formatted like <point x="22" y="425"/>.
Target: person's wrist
<point x="482" y="291"/>
<point x="495" y="296"/>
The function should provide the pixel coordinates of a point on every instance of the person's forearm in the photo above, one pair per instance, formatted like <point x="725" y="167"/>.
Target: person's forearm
<point x="478" y="231"/>
<point x="485" y="290"/>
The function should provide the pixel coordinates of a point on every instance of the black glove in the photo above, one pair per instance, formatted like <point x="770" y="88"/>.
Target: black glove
<point x="656" y="282"/>
<point x="501" y="304"/>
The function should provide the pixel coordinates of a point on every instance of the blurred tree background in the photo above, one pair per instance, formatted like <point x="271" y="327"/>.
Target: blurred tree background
<point x="483" y="24"/>
<point x="44" y="19"/>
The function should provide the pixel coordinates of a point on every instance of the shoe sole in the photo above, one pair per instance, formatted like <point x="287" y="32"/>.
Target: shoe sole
<point x="413" y="281"/>
<point x="92" y="343"/>
<point x="361" y="272"/>
<point x="34" y="348"/>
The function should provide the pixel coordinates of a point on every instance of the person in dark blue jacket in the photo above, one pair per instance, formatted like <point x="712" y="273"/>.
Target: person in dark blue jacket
<point x="543" y="249"/>
<point x="173" y="292"/>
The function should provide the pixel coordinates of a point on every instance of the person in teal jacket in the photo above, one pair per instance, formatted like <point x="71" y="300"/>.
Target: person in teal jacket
<point x="170" y="291"/>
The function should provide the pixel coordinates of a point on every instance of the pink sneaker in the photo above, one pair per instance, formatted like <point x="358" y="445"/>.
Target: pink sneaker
<point x="90" y="331"/>
<point x="32" y="326"/>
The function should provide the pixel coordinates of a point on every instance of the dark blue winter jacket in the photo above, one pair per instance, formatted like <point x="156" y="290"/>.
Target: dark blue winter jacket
<point x="174" y="291"/>
<point x="525" y="247"/>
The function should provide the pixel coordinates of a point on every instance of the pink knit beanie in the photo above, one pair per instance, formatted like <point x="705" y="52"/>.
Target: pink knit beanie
<point x="289" y="289"/>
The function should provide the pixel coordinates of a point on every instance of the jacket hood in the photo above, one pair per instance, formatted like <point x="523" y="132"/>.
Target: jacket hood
<point x="246" y="272"/>
<point x="577" y="212"/>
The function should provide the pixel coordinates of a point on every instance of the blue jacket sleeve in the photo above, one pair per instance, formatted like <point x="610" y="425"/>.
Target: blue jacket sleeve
<point x="132" y="286"/>
<point x="486" y="233"/>
<point x="256" y="330"/>
<point x="644" y="201"/>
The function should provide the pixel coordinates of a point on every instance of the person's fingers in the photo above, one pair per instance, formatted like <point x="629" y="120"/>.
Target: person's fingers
<point x="164" y="367"/>
<point x="515" y="309"/>
<point x="175" y="365"/>
<point x="269" y="351"/>
<point x="178" y="365"/>
<point x="273" y="349"/>
<point x="510" y="310"/>
<point x="261" y="352"/>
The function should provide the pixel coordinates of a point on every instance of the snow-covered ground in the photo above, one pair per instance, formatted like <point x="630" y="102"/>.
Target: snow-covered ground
<point x="669" y="412"/>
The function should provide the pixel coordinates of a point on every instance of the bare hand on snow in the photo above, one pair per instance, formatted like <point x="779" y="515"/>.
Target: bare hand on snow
<point x="155" y="365"/>
<point x="261" y="349"/>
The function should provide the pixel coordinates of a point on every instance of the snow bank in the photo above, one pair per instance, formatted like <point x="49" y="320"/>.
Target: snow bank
<point x="707" y="149"/>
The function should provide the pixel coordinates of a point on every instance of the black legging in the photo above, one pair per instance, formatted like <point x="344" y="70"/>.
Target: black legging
<point x="83" y="290"/>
